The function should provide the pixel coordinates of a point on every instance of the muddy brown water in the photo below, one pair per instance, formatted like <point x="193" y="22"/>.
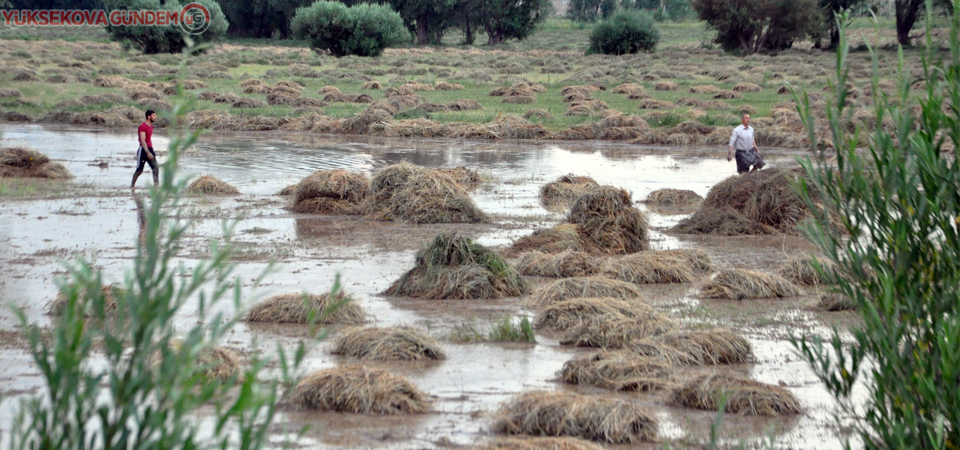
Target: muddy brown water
<point x="309" y="250"/>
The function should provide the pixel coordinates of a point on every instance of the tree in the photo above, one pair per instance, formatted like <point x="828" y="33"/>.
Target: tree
<point x="907" y="12"/>
<point x="363" y="30"/>
<point x="164" y="39"/>
<point x="590" y="10"/>
<point x="516" y="19"/>
<point x="831" y="13"/>
<point x="260" y="18"/>
<point x="753" y="26"/>
<point x="426" y="18"/>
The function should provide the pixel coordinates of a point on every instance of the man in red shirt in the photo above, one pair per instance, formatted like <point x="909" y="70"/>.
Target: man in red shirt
<point x="145" y="153"/>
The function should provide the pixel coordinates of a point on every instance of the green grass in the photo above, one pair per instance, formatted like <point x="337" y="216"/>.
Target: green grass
<point x="507" y="329"/>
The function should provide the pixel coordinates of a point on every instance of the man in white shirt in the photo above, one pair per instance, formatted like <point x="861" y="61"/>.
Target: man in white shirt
<point x="746" y="147"/>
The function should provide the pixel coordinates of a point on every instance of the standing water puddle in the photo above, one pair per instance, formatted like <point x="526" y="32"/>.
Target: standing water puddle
<point x="310" y="250"/>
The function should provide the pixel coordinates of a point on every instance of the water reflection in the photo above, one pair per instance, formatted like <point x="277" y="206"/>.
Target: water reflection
<point x="141" y="220"/>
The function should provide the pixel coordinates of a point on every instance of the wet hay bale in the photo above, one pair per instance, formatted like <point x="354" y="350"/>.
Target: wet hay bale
<point x="725" y="94"/>
<point x="666" y="86"/>
<point x="560" y="238"/>
<point x="541" y="443"/>
<point x="583" y="89"/>
<point x="608" y="221"/>
<point x="695" y="259"/>
<point x="802" y="271"/>
<point x="217" y="363"/>
<point x="23" y="162"/>
<point x="710" y="347"/>
<point x="520" y="99"/>
<point x="835" y="301"/>
<point x="619" y="370"/>
<point x="298" y="308"/>
<point x="582" y="287"/>
<point x="724" y="221"/>
<point x="110" y="294"/>
<point x="429" y="196"/>
<point x="568" y="263"/>
<point x="399" y="91"/>
<point x="746" y="87"/>
<point x="9" y="93"/>
<point x="618" y="120"/>
<point x="444" y="86"/>
<point x="743" y="396"/>
<point x="385" y="183"/>
<point x="25" y="76"/>
<point x="562" y="414"/>
<point x="383" y="344"/>
<point x="619" y="331"/>
<point x="462" y="175"/>
<point x="331" y="192"/>
<point x="650" y="267"/>
<point x="111" y="81"/>
<point x="739" y="284"/>
<point x="578" y="110"/>
<point x="211" y="185"/>
<point x="358" y="390"/>
<point x="567" y="189"/>
<point x="371" y="85"/>
<point x="652" y="103"/>
<point x="628" y="88"/>
<point x="674" y="198"/>
<point x="454" y="267"/>
<point x="463" y="104"/>
<point x="247" y="102"/>
<point x="139" y="93"/>
<point x="704" y="89"/>
<point x="281" y="98"/>
<point x="539" y="114"/>
<point x="569" y="314"/>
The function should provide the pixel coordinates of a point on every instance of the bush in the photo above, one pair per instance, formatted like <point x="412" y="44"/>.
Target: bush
<point x="625" y="32"/>
<point x="897" y="254"/>
<point x="167" y="39"/>
<point x="752" y="26"/>
<point x="362" y="30"/>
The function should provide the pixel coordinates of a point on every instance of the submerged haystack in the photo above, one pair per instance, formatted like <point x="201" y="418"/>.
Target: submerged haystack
<point x="567" y="263"/>
<point x="710" y="347"/>
<point x="674" y="198"/>
<point x="330" y="192"/>
<point x="22" y="162"/>
<point x="407" y="193"/>
<point x="454" y="267"/>
<point x="650" y="268"/>
<point x="802" y="271"/>
<point x="388" y="344"/>
<point x="743" y="396"/>
<point x="577" y="287"/>
<point x="540" y="443"/>
<point x="568" y="314"/>
<point x="109" y="294"/>
<point x="358" y="390"/>
<point x="211" y="185"/>
<point x="563" y="237"/>
<point x="740" y="284"/>
<point x="609" y="222"/>
<point x="620" y="370"/>
<point x="560" y="195"/>
<point x="302" y="308"/>
<point x="562" y="414"/>
<point x="765" y="197"/>
<point x="619" y="331"/>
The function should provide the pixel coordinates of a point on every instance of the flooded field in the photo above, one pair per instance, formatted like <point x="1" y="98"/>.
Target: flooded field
<point x="101" y="223"/>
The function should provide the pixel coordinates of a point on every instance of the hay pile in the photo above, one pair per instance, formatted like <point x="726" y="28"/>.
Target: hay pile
<point x="709" y="347"/>
<point x="802" y="271"/>
<point x="217" y="363"/>
<point x="835" y="301"/>
<point x="562" y="414"/>
<point x="211" y="185"/>
<point x="109" y="293"/>
<point x="298" y="308"/>
<point x="568" y="263"/>
<point x="697" y="260"/>
<point x="408" y="193"/>
<point x="650" y="267"/>
<point x="740" y="284"/>
<point x="744" y="396"/>
<point x="454" y="267"/>
<point x="619" y="331"/>
<point x="560" y="238"/>
<point x="566" y="190"/>
<point x="358" y="390"/>
<point x="577" y="287"/>
<point x="388" y="344"/>
<point x="22" y="162"/>
<point x="541" y="443"/>
<point x="675" y="198"/>
<point x="572" y="313"/>
<point x="619" y="370"/>
<point x="331" y="192"/>
<point x="608" y="221"/>
<point x="765" y="197"/>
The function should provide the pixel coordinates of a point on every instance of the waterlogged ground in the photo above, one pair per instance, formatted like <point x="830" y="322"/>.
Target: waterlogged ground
<point x="100" y="222"/>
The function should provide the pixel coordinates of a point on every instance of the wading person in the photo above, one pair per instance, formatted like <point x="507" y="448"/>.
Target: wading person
<point x="145" y="153"/>
<point x="745" y="146"/>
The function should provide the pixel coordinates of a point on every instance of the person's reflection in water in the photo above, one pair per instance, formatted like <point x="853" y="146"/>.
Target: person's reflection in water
<point x="141" y="220"/>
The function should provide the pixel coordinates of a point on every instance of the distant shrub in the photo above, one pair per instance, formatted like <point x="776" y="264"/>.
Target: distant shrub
<point x="164" y="39"/>
<point x="625" y="32"/>
<point x="362" y="30"/>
